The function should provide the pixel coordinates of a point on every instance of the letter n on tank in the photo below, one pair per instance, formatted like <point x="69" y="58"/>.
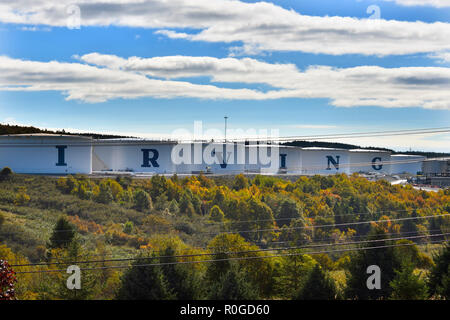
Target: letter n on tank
<point x="61" y="156"/>
<point x="335" y="163"/>
<point x="148" y="161"/>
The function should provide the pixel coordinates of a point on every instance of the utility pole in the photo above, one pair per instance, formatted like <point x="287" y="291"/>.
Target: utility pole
<point x="226" y="118"/>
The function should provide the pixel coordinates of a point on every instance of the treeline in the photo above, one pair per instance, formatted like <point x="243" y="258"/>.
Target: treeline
<point x="16" y="129"/>
<point x="323" y="144"/>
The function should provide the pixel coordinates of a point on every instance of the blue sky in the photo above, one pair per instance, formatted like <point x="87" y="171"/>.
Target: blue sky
<point x="416" y="71"/>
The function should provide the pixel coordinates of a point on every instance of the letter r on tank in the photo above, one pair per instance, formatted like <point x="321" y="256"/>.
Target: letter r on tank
<point x="148" y="161"/>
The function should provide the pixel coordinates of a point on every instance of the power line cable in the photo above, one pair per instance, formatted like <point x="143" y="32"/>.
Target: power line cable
<point x="328" y="225"/>
<point x="232" y="252"/>
<point x="226" y="259"/>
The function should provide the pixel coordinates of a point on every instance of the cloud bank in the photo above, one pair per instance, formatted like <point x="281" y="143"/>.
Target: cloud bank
<point x="255" y="27"/>
<point x="99" y="77"/>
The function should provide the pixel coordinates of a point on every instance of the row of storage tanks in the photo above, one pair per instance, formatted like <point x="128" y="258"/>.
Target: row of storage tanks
<point x="64" y="154"/>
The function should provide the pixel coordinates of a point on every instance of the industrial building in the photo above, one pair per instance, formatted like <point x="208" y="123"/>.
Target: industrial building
<point x="405" y="163"/>
<point x="46" y="153"/>
<point x="437" y="171"/>
<point x="68" y="154"/>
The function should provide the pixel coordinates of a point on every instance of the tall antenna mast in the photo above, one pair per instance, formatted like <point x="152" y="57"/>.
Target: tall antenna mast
<point x="226" y="118"/>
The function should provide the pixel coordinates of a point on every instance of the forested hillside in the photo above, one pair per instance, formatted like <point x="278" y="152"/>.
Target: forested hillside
<point x="237" y="237"/>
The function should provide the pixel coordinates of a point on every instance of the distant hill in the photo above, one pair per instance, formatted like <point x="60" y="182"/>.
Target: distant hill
<point x="323" y="144"/>
<point x="15" y="129"/>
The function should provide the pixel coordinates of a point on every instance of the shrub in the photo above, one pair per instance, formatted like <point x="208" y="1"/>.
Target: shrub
<point x="71" y="184"/>
<point x="116" y="188"/>
<point x="105" y="194"/>
<point x="5" y="173"/>
<point x="142" y="201"/>
<point x="128" y="227"/>
<point x="240" y="182"/>
<point x="21" y="197"/>
<point x="126" y="196"/>
<point x="161" y="202"/>
<point x="173" y="207"/>
<point x="216" y="214"/>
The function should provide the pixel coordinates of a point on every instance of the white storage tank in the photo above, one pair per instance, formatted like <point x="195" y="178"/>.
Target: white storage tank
<point x="290" y="160"/>
<point x="317" y="160"/>
<point x="132" y="155"/>
<point x="46" y="153"/>
<point x="365" y="161"/>
<point x="262" y="158"/>
<point x="209" y="157"/>
<point x="405" y="163"/>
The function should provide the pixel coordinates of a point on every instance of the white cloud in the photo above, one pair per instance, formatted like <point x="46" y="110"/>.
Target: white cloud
<point x="92" y="84"/>
<point x="258" y="26"/>
<point x="431" y="3"/>
<point x="441" y="57"/>
<point x="427" y="87"/>
<point x="34" y="29"/>
<point x="114" y="77"/>
<point x="221" y="70"/>
<point x="312" y="126"/>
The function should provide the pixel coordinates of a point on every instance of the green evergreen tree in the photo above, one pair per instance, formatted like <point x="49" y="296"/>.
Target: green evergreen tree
<point x="144" y="283"/>
<point x="292" y="272"/>
<point x="159" y="186"/>
<point x="408" y="286"/>
<point x="89" y="278"/>
<point x="234" y="285"/>
<point x="63" y="234"/>
<point x="318" y="286"/>
<point x="439" y="277"/>
<point x="384" y="257"/>
<point x="185" y="203"/>
<point x="184" y="281"/>
<point x="289" y="210"/>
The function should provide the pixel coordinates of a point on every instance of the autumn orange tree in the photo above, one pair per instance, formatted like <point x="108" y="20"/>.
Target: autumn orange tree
<point x="7" y="281"/>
